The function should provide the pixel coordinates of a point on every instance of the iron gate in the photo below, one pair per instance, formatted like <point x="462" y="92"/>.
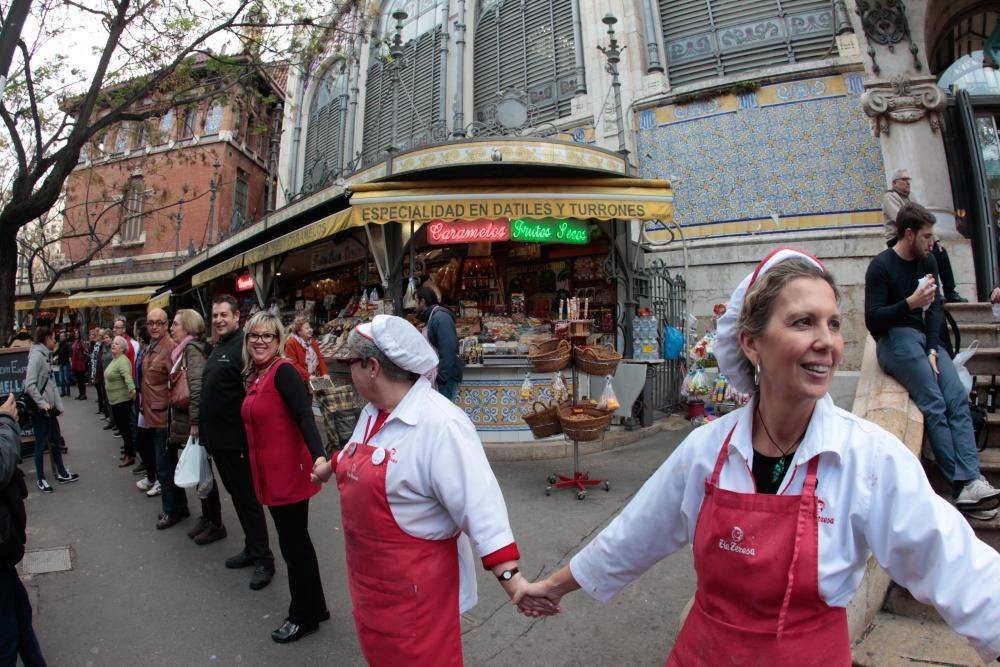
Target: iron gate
<point x="666" y="294"/>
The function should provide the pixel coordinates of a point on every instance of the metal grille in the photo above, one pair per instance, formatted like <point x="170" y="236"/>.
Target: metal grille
<point x="710" y="38"/>
<point x="131" y="229"/>
<point x="419" y="110"/>
<point x="666" y="294"/>
<point x="527" y="46"/>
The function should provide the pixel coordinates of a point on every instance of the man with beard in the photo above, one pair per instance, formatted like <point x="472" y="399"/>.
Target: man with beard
<point x="903" y="312"/>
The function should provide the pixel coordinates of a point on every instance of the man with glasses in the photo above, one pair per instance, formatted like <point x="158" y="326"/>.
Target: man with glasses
<point x="893" y="200"/>
<point x="156" y="365"/>
<point x="224" y="436"/>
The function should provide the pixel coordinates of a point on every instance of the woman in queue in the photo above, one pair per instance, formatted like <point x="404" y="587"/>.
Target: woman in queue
<point x="41" y="387"/>
<point x="784" y="499"/>
<point x="144" y="443"/>
<point x="416" y="493"/>
<point x="303" y="350"/>
<point x="284" y="444"/>
<point x="187" y="330"/>
<point x="120" y="390"/>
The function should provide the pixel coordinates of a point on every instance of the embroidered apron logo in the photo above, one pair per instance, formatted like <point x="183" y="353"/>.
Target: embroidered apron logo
<point x="736" y="536"/>
<point x="820" y="508"/>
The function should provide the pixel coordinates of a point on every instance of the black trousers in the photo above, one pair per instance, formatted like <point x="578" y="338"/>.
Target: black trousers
<point x="944" y="268"/>
<point x="233" y="468"/>
<point x="292" y="523"/>
<point x="146" y="447"/>
<point x="81" y="383"/>
<point x="102" y="400"/>
<point x="121" y="415"/>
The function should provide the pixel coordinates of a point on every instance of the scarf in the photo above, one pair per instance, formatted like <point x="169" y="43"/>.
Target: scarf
<point x="176" y="353"/>
<point x="312" y="360"/>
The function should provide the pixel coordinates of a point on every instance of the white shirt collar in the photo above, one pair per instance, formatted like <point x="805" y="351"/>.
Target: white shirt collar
<point x="410" y="408"/>
<point x="819" y="436"/>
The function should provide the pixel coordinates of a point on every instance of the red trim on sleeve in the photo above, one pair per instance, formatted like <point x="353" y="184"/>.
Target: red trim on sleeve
<point x="501" y="555"/>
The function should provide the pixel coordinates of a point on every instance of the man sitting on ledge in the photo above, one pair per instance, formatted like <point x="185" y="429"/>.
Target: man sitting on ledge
<point x="904" y="314"/>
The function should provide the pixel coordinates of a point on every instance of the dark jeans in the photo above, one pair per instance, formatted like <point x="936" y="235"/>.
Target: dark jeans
<point x="147" y="450"/>
<point x="233" y="470"/>
<point x="211" y="507"/>
<point x="448" y="389"/>
<point x="81" y="382"/>
<point x="292" y="523"/>
<point x="102" y="399"/>
<point x="944" y="268"/>
<point x="121" y="414"/>
<point x="64" y="378"/>
<point x="47" y="432"/>
<point x="174" y="499"/>
<point x="17" y="637"/>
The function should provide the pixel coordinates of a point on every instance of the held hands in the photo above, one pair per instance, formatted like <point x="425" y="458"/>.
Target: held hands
<point x="322" y="471"/>
<point x="535" y="599"/>
<point x="923" y="296"/>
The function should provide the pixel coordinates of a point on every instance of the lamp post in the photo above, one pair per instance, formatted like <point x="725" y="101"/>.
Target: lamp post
<point x="613" y="53"/>
<point x="395" y="63"/>
<point x="214" y="188"/>
<point x="179" y="217"/>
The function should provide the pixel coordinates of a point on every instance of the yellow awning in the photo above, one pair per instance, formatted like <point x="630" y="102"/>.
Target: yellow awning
<point x="311" y="233"/>
<point x="159" y="301"/>
<point x="122" y="297"/>
<point x="47" y="303"/>
<point x="601" y="199"/>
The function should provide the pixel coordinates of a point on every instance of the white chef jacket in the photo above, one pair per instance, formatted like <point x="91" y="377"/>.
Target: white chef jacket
<point x="873" y="497"/>
<point x="438" y="481"/>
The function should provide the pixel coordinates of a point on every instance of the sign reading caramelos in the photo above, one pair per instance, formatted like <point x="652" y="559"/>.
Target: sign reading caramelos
<point x="467" y="231"/>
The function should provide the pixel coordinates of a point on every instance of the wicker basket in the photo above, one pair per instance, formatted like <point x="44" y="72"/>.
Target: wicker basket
<point x="544" y="422"/>
<point x="544" y="347"/>
<point x="601" y="360"/>
<point x="556" y="360"/>
<point x="588" y="426"/>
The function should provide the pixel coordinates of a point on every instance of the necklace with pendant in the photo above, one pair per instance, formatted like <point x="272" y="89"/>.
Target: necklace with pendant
<point x="779" y="468"/>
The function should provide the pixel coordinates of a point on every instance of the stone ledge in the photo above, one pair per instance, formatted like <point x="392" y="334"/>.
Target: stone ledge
<point x="898" y="641"/>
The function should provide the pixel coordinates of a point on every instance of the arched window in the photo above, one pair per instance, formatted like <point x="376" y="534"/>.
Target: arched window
<point x="709" y="38"/>
<point x="525" y="47"/>
<point x="418" y="94"/>
<point x="324" y="133"/>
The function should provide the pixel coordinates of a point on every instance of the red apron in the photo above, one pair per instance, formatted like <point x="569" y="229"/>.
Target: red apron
<point x="758" y="601"/>
<point x="404" y="589"/>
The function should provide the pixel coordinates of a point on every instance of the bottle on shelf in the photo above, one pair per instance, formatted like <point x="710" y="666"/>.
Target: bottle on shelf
<point x="974" y="395"/>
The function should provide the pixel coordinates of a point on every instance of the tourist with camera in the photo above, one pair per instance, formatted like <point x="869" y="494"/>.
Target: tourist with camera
<point x="44" y="404"/>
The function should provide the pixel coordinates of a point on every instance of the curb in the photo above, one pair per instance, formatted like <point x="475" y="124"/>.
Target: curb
<point x="557" y="447"/>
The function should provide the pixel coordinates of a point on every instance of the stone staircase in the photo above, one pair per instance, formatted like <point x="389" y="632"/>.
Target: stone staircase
<point x="905" y="632"/>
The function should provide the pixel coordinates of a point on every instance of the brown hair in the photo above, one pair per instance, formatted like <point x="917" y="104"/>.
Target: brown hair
<point x="191" y="321"/>
<point x="297" y="324"/>
<point x="913" y="216"/>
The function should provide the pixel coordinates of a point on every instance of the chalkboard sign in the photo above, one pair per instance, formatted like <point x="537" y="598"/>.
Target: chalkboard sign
<point x="13" y="368"/>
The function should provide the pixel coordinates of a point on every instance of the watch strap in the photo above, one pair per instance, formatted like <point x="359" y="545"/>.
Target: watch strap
<point x="507" y="575"/>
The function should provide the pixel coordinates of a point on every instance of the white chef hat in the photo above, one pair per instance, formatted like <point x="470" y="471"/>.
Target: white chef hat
<point x="400" y="342"/>
<point x="729" y="354"/>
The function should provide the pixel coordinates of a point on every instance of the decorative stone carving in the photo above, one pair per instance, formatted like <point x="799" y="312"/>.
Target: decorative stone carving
<point x="903" y="100"/>
<point x="884" y="23"/>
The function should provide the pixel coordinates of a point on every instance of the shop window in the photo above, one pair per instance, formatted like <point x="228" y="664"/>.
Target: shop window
<point x="711" y="38"/>
<point x="417" y="97"/>
<point x="526" y="48"/>
<point x="324" y="136"/>
<point x="133" y="207"/>
<point x="240" y="201"/>
<point x="213" y="119"/>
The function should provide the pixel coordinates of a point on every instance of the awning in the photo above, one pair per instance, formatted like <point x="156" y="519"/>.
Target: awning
<point x="311" y="233"/>
<point x="48" y="303"/>
<point x="122" y="297"/>
<point x="160" y="300"/>
<point x="601" y="199"/>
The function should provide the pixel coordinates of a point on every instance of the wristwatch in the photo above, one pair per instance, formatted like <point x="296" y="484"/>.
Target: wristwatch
<point x="507" y="575"/>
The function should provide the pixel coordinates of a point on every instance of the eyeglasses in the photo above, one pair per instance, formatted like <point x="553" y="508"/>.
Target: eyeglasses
<point x="156" y="323"/>
<point x="265" y="337"/>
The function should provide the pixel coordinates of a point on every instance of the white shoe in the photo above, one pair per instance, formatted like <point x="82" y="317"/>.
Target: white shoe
<point x="155" y="491"/>
<point x="144" y="485"/>
<point x="981" y="515"/>
<point x="978" y="494"/>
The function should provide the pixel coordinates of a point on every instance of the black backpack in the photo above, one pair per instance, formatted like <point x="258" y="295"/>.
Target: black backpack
<point x="13" y="520"/>
<point x="980" y="424"/>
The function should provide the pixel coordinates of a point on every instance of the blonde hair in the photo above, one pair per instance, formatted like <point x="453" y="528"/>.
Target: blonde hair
<point x="191" y="321"/>
<point x="270" y="321"/>
<point x="296" y="326"/>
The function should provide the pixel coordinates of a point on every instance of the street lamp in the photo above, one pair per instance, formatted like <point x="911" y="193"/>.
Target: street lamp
<point x="214" y="187"/>
<point x="613" y="54"/>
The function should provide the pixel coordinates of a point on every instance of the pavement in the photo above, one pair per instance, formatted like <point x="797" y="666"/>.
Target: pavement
<point x="133" y="595"/>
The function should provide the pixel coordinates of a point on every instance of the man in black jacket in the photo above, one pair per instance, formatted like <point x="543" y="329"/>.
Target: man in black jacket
<point x="17" y="637"/>
<point x="441" y="333"/>
<point x="903" y="312"/>
<point x="222" y="433"/>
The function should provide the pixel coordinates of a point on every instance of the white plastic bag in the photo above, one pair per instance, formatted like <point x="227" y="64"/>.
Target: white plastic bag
<point x="410" y="298"/>
<point x="963" y="374"/>
<point x="192" y="467"/>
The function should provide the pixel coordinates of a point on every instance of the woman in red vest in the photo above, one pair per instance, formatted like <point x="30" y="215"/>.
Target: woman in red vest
<point x="284" y="445"/>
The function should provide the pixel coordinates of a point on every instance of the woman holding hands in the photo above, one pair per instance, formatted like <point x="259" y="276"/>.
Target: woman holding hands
<point x="784" y="499"/>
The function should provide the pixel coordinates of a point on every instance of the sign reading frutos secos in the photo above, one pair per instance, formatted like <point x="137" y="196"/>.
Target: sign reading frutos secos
<point x="529" y="231"/>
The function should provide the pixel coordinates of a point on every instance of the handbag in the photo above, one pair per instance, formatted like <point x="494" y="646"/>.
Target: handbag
<point x="26" y="406"/>
<point x="192" y="466"/>
<point x="177" y="383"/>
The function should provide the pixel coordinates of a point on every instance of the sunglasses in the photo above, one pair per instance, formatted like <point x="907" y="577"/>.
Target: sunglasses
<point x="266" y="337"/>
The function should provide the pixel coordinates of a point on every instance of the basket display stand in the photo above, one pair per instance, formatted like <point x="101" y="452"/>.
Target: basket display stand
<point x="578" y="480"/>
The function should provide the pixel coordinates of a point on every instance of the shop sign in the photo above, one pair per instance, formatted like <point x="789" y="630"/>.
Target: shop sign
<point x="471" y="231"/>
<point x="550" y="231"/>
<point x="244" y="282"/>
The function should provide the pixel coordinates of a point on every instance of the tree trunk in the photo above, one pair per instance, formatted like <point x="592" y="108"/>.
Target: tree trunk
<point x="8" y="276"/>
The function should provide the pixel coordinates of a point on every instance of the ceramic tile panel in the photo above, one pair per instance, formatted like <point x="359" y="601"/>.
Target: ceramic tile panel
<point x="492" y="402"/>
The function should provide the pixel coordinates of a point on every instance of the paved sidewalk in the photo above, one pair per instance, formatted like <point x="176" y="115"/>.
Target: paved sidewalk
<point x="138" y="596"/>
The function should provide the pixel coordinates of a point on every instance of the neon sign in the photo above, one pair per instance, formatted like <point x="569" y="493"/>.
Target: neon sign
<point x="467" y="231"/>
<point x="550" y="231"/>
<point x="244" y="282"/>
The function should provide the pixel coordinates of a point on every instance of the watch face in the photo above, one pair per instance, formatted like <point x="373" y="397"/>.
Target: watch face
<point x="508" y="575"/>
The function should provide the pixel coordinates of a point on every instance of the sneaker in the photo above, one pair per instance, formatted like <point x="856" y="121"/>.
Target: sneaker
<point x="144" y="485"/>
<point x="262" y="575"/>
<point x="68" y="478"/>
<point x="980" y="515"/>
<point x="979" y="495"/>
<point x="118" y="435"/>
<point x="155" y="491"/>
<point x="43" y="485"/>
